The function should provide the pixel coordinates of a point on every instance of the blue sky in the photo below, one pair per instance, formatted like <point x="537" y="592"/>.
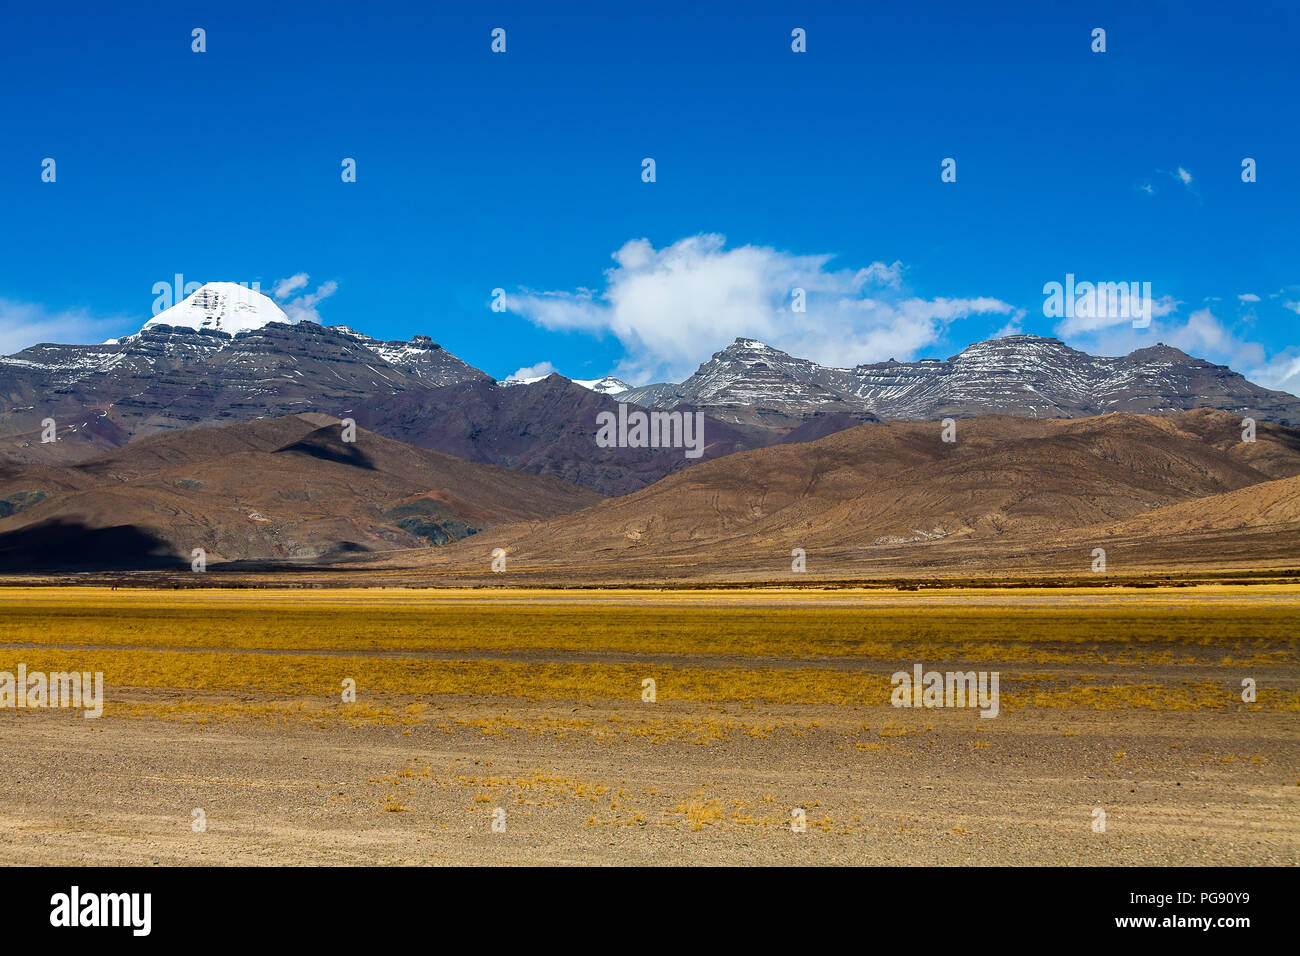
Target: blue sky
<point x="523" y="171"/>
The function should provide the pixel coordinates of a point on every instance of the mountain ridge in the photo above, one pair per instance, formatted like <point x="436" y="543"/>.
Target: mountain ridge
<point x="232" y="359"/>
<point x="1031" y="375"/>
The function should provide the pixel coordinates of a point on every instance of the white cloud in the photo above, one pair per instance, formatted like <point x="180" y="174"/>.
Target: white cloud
<point x="1014" y="327"/>
<point x="1180" y="174"/>
<point x="1248" y="297"/>
<point x="672" y="307"/>
<point x="1118" y="312"/>
<point x="540" y="370"/>
<point x="303" y="308"/>
<point x="1204" y="332"/>
<point x="286" y="287"/>
<point x="1293" y="306"/>
<point x="23" y="324"/>
<point x="881" y="274"/>
<point x="1281" y="372"/>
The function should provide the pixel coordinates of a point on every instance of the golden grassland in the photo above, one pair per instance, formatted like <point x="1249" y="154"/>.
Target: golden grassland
<point x="1162" y="626"/>
<point x="404" y="649"/>
<point x="773" y="706"/>
<point x="311" y="676"/>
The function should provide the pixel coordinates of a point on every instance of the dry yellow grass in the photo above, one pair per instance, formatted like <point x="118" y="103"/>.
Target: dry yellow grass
<point x="319" y="679"/>
<point x="405" y="649"/>
<point x="1168" y="628"/>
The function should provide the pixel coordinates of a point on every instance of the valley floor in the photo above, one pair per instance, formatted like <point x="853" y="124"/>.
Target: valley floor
<point x="527" y="707"/>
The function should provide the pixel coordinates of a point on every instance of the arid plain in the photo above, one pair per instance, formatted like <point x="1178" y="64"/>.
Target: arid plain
<point x="528" y="708"/>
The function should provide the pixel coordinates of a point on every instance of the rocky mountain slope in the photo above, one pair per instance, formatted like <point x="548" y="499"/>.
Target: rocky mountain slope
<point x="898" y="493"/>
<point x="547" y="428"/>
<point x="274" y="489"/>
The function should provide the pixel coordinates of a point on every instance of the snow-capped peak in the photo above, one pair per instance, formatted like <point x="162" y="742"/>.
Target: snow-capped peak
<point x="749" y="345"/>
<point x="609" y="385"/>
<point x="221" y="307"/>
<point x="529" y="380"/>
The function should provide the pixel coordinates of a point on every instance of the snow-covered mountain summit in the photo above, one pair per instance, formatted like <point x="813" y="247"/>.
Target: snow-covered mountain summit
<point x="609" y="385"/>
<point x="221" y="307"/>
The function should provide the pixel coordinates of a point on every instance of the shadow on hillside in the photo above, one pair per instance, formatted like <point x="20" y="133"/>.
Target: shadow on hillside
<point x="326" y="446"/>
<point x="59" y="545"/>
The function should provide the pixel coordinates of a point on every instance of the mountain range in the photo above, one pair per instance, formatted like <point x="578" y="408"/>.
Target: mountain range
<point x="227" y="354"/>
<point x="1010" y="496"/>
<point x="749" y="382"/>
<point x="226" y="426"/>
